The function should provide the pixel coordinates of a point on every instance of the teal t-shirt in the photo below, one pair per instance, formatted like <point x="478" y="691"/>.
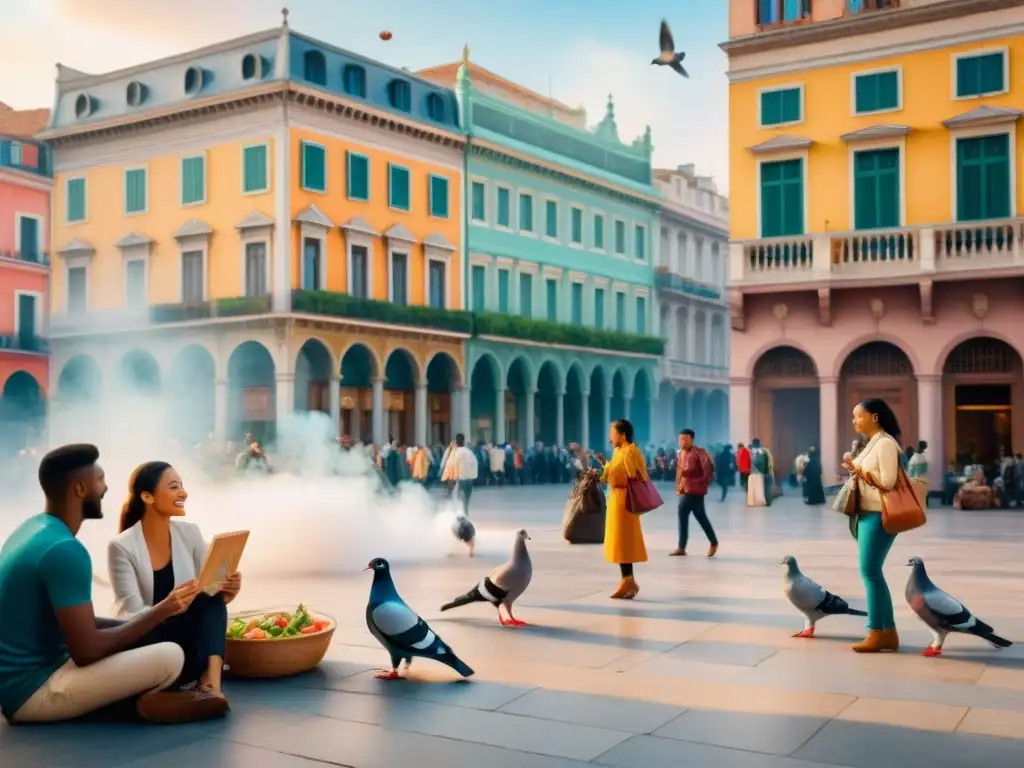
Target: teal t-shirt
<point x="43" y="567"/>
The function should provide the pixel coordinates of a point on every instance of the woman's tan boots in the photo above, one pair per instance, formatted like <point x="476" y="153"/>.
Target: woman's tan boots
<point x="627" y="590"/>
<point x="878" y="640"/>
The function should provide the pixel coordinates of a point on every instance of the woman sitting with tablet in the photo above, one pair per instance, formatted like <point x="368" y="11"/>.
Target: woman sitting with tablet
<point x="152" y="555"/>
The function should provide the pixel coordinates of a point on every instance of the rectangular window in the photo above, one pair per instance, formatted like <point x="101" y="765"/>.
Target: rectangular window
<point x="398" y="187"/>
<point x="135" y="283"/>
<point x="876" y="92"/>
<point x="479" y="285"/>
<point x="192" y="277"/>
<point x="135" y="190"/>
<point x="783" y="11"/>
<point x="781" y="107"/>
<point x="76" y="200"/>
<point x="311" y="264"/>
<point x="620" y="237"/>
<point x="551" y="218"/>
<point x="577" y="225"/>
<point x="77" y="300"/>
<point x="360" y="278"/>
<point x="256" y="269"/>
<point x="599" y="308"/>
<point x="28" y="227"/>
<point x="526" y="295"/>
<point x="876" y="189"/>
<point x="314" y="167"/>
<point x="640" y="242"/>
<point x="27" y="331"/>
<point x="641" y="315"/>
<point x="400" y="278"/>
<point x="577" y="303"/>
<point x="525" y="213"/>
<point x="503" y="291"/>
<point x="981" y="75"/>
<point x="358" y="177"/>
<point x="782" y="198"/>
<point x="599" y="231"/>
<point x="16" y="153"/>
<point x="552" y="299"/>
<point x="255" y="161"/>
<point x="620" y="311"/>
<point x="193" y="180"/>
<point x="983" y="178"/>
<point x="437" y="285"/>
<point x="504" y="207"/>
<point x="478" y="203"/>
<point x="439" y="197"/>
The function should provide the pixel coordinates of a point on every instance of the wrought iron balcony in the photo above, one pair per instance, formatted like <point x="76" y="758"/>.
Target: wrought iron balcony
<point x="19" y="342"/>
<point x="669" y="281"/>
<point x="696" y="372"/>
<point x="41" y="258"/>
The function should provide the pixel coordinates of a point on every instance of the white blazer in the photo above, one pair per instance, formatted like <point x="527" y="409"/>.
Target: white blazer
<point x="131" y="570"/>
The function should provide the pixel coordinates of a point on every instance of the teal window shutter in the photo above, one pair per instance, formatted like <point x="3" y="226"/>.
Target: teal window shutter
<point x="876" y="92"/>
<point x="314" y="167"/>
<point x="439" y="197"/>
<point x="640" y="234"/>
<point x="620" y="311"/>
<point x="504" y="207"/>
<point x="76" y="200"/>
<point x="552" y="289"/>
<point x="620" y="237"/>
<point x="599" y="308"/>
<point x="980" y="75"/>
<point x="526" y="294"/>
<point x="598" y="231"/>
<point x="399" y="278"/>
<point x="479" y="288"/>
<point x="782" y="106"/>
<point x="983" y="178"/>
<point x="577" y="225"/>
<point x="358" y="177"/>
<point x="192" y="180"/>
<point x="503" y="291"/>
<point x="876" y="189"/>
<point x="782" y="198"/>
<point x="526" y="213"/>
<point x="551" y="225"/>
<point x="641" y="315"/>
<point x="398" y="187"/>
<point x="135" y="190"/>
<point x="577" y="303"/>
<point x="478" y="202"/>
<point x="254" y="161"/>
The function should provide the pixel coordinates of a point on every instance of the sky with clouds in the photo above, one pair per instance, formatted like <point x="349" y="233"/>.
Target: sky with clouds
<point x="578" y="50"/>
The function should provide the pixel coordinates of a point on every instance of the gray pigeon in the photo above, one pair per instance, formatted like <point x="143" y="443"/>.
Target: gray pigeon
<point x="811" y="599"/>
<point x="668" y="56"/>
<point x="465" y="531"/>
<point x="504" y="585"/>
<point x="943" y="613"/>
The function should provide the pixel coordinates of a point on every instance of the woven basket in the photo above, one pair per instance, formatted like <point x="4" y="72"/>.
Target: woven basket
<point x="279" y="657"/>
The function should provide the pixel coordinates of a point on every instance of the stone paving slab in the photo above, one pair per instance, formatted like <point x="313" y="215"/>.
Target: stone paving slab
<point x="701" y="669"/>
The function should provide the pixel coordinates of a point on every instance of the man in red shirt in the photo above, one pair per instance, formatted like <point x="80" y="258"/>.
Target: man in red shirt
<point x="694" y="470"/>
<point x="743" y="463"/>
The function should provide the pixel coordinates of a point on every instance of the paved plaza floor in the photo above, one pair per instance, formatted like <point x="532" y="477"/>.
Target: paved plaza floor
<point x="700" y="670"/>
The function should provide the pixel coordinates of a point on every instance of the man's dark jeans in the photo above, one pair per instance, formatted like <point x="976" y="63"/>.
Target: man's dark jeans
<point x="694" y="504"/>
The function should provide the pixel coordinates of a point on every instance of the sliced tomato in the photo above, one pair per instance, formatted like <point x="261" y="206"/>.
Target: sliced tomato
<point x="310" y="629"/>
<point x="282" y="622"/>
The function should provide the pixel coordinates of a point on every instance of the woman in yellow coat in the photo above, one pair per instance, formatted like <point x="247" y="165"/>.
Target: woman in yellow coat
<point x="623" y="536"/>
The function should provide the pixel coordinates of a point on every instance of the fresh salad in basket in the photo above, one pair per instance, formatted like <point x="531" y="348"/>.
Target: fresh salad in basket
<point x="276" y="626"/>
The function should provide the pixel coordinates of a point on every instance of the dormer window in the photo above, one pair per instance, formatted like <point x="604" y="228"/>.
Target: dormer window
<point x="435" y="107"/>
<point x="400" y="93"/>
<point x="314" y="67"/>
<point x="135" y="93"/>
<point x="195" y="79"/>
<point x="84" y="105"/>
<point x="355" y="80"/>
<point x="249" y="65"/>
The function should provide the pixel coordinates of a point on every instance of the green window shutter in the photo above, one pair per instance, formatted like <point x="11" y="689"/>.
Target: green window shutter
<point x="620" y="312"/>
<point x="76" y="200"/>
<point x="398" y="187"/>
<point x="526" y="213"/>
<point x="876" y="189"/>
<point x="192" y="180"/>
<point x="439" y="197"/>
<point x="620" y="237"/>
<point x="577" y="303"/>
<point x="503" y="291"/>
<point x="314" y="167"/>
<point x="599" y="308"/>
<point x="135" y="190"/>
<point x="983" y="178"/>
<point x="782" y="198"/>
<point x="551" y="223"/>
<point x="978" y="75"/>
<point x="888" y="89"/>
<point x="641" y="315"/>
<point x="479" y="288"/>
<point x="876" y="92"/>
<point x="526" y="295"/>
<point x="997" y="177"/>
<point x="254" y="161"/>
<point x="781" y="107"/>
<point x="640" y="246"/>
<point x="552" y="296"/>
<point x="598" y="231"/>
<point x="504" y="207"/>
<point x="478" y="203"/>
<point x="791" y="105"/>
<point x="577" y="225"/>
<point x="990" y="73"/>
<point x="358" y="177"/>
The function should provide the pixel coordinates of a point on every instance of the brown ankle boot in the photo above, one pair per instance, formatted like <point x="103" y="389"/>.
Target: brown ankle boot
<point x="878" y="640"/>
<point x="627" y="589"/>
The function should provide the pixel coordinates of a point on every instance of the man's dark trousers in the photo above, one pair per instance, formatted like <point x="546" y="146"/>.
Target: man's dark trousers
<point x="693" y="503"/>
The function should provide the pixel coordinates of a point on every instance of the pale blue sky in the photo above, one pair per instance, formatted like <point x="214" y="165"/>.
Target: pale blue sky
<point x="580" y="50"/>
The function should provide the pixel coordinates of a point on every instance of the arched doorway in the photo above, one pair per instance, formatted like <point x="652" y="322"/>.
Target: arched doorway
<point x="786" y="405"/>
<point x="575" y="402"/>
<point x="518" y="410"/>
<point x="313" y="377"/>
<point x="400" y="377"/>
<point x="80" y="381"/>
<point x="22" y="412"/>
<point x="549" y="386"/>
<point x="252" y="392"/>
<point x="718" y="408"/>
<point x="442" y="381"/>
<point x="640" y="409"/>
<point x="358" y="369"/>
<point x="483" y="400"/>
<point x="138" y="374"/>
<point x="192" y="395"/>
<point x="983" y="401"/>
<point x="599" y="416"/>
<point x="878" y="369"/>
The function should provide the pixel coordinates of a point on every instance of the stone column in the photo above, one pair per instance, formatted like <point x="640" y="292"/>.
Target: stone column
<point x="741" y="427"/>
<point x="465" y="415"/>
<point x="530" y="427"/>
<point x="285" y="399"/>
<point x="334" y="404"/>
<point x="499" y="416"/>
<point x="709" y="351"/>
<point x="356" y="433"/>
<point x="652" y="407"/>
<point x="220" y="410"/>
<point x="929" y="426"/>
<point x="828" y="426"/>
<point x="421" y="416"/>
<point x="560" y="419"/>
<point x="607" y="411"/>
<point x="585" y="420"/>
<point x="626" y="401"/>
<point x="378" y="411"/>
<point x="691" y="335"/>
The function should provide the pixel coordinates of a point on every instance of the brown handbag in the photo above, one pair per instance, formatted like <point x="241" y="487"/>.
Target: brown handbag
<point x="901" y="508"/>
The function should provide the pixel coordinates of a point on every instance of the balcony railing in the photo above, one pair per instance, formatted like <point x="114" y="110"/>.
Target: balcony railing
<point x="680" y="369"/>
<point x="19" y="342"/>
<point x="42" y="258"/>
<point x="669" y="281"/>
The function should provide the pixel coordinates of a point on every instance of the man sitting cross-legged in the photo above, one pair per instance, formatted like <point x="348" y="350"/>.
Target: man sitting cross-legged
<point x="57" y="661"/>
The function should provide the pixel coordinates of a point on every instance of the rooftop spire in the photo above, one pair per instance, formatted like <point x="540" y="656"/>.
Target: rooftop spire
<point x="462" y="75"/>
<point x="284" y="17"/>
<point x="607" y="129"/>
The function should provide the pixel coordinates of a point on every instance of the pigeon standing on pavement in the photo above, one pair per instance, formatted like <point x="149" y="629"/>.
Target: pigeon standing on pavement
<point x="465" y="531"/>
<point x="504" y="585"/>
<point x="943" y="613"/>
<point x="811" y="599"/>
<point x="668" y="56"/>
<point x="397" y="627"/>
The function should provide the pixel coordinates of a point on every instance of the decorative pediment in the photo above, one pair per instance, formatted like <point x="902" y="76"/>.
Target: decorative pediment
<point x="437" y="240"/>
<point x="314" y="216"/>
<point x="133" y="240"/>
<point x="781" y="143"/>
<point x="360" y="225"/>
<point x="984" y="115"/>
<point x="193" y="228"/>
<point x="398" y="232"/>
<point x="255" y="220"/>
<point x="872" y="132"/>
<point x="77" y="248"/>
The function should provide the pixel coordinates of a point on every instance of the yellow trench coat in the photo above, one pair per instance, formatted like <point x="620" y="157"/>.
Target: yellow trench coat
<point x="623" y="536"/>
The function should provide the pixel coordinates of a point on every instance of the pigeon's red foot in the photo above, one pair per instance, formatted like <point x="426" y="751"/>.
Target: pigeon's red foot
<point x="931" y="653"/>
<point x="517" y="623"/>
<point x="809" y="632"/>
<point x="387" y="674"/>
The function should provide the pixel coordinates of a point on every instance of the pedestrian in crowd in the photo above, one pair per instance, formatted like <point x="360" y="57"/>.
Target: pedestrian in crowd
<point x="694" y="471"/>
<point x="814" y="490"/>
<point x="623" y="536"/>
<point x="743" y="464"/>
<point x="725" y="470"/>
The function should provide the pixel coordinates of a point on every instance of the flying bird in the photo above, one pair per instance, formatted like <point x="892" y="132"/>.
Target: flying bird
<point x="504" y="585"/>
<point x="811" y="599"/>
<point x="397" y="627"/>
<point x="668" y="56"/>
<point x="943" y="613"/>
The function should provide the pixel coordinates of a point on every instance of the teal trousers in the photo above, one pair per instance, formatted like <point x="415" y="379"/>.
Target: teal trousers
<point x="874" y="545"/>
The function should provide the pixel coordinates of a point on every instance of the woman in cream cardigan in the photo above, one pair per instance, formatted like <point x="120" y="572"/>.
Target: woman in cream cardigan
<point x="152" y="555"/>
<point x="879" y="460"/>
